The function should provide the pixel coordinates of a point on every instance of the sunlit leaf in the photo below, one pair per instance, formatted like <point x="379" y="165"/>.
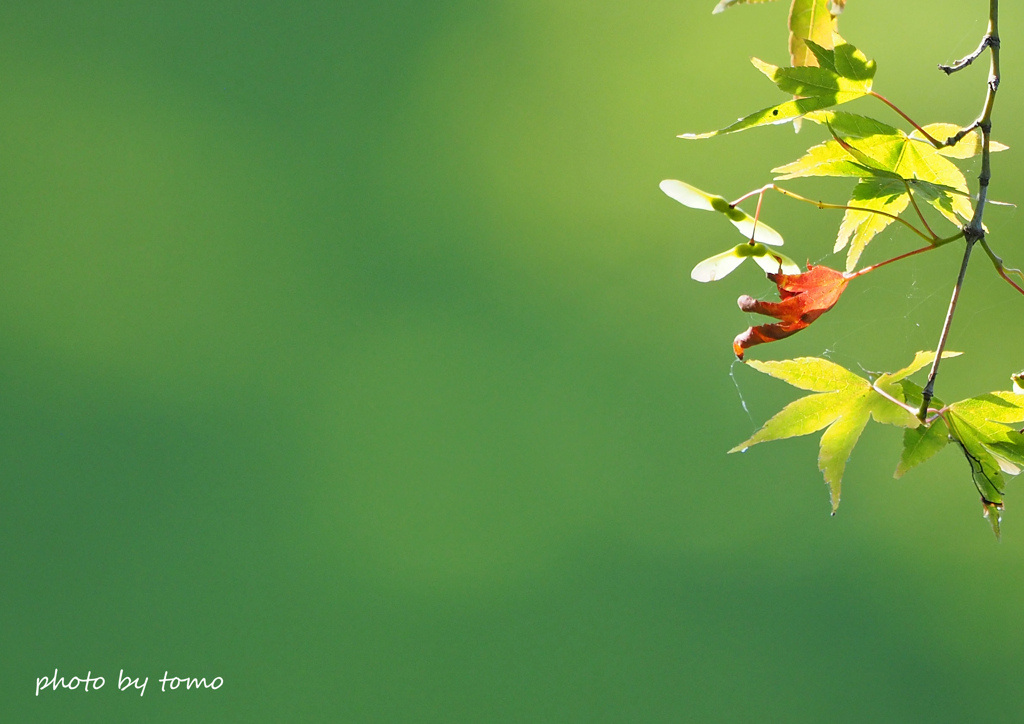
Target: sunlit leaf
<point x="890" y="151"/>
<point x="837" y="444"/>
<point x="831" y="158"/>
<point x="852" y="64"/>
<point x="860" y="224"/>
<point x="920" y="444"/>
<point x="844" y="75"/>
<point x="808" y="20"/>
<point x="801" y="417"/>
<point x="810" y="373"/>
<point x="842" y="406"/>
<point x="891" y="165"/>
<point x="981" y="427"/>
<point x="782" y="113"/>
<point x="993" y="513"/>
<point x="968" y="146"/>
<point x="811" y="80"/>
<point x="985" y="470"/>
<point x="995" y="407"/>
<point x="923" y="162"/>
<point x="852" y="125"/>
<point x="1010" y="448"/>
<point x="825" y="57"/>
<point x="827" y="159"/>
<point x="694" y="198"/>
<point x="921" y="360"/>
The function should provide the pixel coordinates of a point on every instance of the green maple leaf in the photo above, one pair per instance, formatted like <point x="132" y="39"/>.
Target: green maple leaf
<point x="890" y="165"/>
<point x="920" y="444"/>
<point x="813" y="80"/>
<point x="860" y="225"/>
<point x="810" y="21"/>
<point x="968" y="147"/>
<point x="981" y="428"/>
<point x="842" y="406"/>
<point x="836" y="82"/>
<point x="923" y="442"/>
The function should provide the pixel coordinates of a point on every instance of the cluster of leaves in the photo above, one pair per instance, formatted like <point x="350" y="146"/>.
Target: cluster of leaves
<point x="894" y="170"/>
<point x="844" y="402"/>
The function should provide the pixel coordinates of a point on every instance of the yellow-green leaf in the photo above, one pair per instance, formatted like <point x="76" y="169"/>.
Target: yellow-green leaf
<point x="808" y="20"/>
<point x="837" y="443"/>
<point x="801" y="417"/>
<point x="968" y="146"/>
<point x="782" y="113"/>
<point x="985" y="470"/>
<point x="860" y="224"/>
<point x="921" y="360"/>
<point x="811" y="80"/>
<point x="844" y="404"/>
<point x="920" y="444"/>
<point x="812" y="373"/>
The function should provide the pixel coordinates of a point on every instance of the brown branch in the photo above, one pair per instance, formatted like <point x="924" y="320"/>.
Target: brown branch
<point x="975" y="230"/>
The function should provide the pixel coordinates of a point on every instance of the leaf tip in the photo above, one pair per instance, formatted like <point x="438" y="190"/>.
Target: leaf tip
<point x="993" y="513"/>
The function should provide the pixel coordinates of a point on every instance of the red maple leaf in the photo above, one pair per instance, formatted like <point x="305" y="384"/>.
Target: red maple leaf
<point x="805" y="297"/>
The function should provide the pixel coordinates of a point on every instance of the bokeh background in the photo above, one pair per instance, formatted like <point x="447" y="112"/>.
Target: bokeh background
<point x="348" y="352"/>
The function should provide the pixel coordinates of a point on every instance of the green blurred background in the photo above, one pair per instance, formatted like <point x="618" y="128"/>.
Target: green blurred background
<point x="348" y="352"/>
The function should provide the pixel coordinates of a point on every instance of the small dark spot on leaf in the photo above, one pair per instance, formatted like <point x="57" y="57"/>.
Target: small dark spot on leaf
<point x="775" y="112"/>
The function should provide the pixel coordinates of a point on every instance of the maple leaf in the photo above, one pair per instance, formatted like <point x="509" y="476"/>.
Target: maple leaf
<point x="981" y="428"/>
<point x="842" y="407"/>
<point x="891" y="165"/>
<point x="804" y="298"/>
<point x="821" y="78"/>
<point x="984" y="428"/>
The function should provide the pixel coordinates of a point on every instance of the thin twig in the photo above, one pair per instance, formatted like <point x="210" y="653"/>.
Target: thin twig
<point x="961" y="134"/>
<point x="908" y="119"/>
<point x="909" y="408"/>
<point x="975" y="230"/>
<point x="823" y="205"/>
<point x="997" y="262"/>
<point x="757" y="215"/>
<point x="929" y="389"/>
<point x="871" y="268"/>
<point x="755" y="192"/>
<point x="913" y="201"/>
<point x="964" y="62"/>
